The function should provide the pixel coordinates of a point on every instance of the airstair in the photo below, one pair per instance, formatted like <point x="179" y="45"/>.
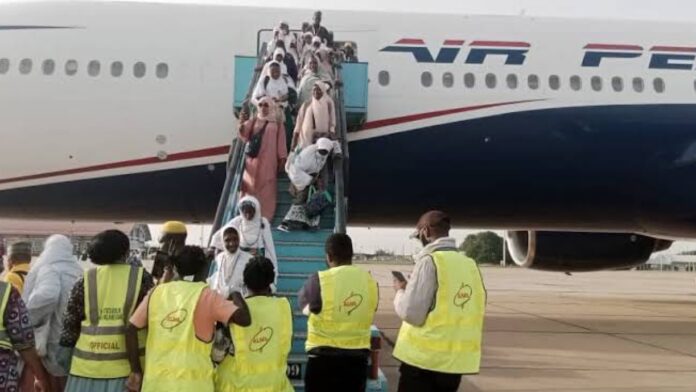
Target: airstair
<point x="301" y="253"/>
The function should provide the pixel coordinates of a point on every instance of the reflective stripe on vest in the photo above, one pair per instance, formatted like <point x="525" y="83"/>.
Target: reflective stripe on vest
<point x="450" y="339"/>
<point x="349" y="298"/>
<point x="261" y="350"/>
<point x="5" y="289"/>
<point x="176" y="359"/>
<point x="111" y="293"/>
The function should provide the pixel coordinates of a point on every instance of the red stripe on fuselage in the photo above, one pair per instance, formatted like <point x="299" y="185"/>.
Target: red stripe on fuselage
<point x="411" y="41"/>
<point x="613" y="47"/>
<point x="208" y="152"/>
<point x="507" y="44"/>
<point x="457" y="42"/>
<point x="681" y="49"/>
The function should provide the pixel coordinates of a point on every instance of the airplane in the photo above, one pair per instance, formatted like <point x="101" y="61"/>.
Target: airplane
<point x="575" y="135"/>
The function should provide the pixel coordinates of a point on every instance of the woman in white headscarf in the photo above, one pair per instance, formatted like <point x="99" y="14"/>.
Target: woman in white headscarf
<point x="309" y="77"/>
<point x="316" y="118"/>
<point x="254" y="230"/>
<point x="261" y="172"/>
<point x="304" y="170"/>
<point x="46" y="293"/>
<point x="278" y="57"/>
<point x="325" y="66"/>
<point x="229" y="265"/>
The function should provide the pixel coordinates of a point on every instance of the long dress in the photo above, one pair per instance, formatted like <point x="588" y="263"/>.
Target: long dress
<point x="261" y="173"/>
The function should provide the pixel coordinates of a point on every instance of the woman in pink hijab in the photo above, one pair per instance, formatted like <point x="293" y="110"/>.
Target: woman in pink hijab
<point x="316" y="118"/>
<point x="261" y="171"/>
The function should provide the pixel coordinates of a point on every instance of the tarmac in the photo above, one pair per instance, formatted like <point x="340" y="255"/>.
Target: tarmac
<point x="601" y="331"/>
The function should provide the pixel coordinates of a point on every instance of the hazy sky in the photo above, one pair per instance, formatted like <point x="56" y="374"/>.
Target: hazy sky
<point x="627" y="9"/>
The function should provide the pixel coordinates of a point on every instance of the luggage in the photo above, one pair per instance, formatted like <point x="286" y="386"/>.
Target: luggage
<point x="317" y="202"/>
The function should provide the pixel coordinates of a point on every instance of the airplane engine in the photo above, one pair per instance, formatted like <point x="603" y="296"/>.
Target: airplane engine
<point x="579" y="251"/>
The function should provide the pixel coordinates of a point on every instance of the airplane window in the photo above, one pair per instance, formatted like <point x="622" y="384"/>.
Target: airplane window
<point x="659" y="85"/>
<point x="48" y="67"/>
<point x="491" y="80"/>
<point x="93" y="68"/>
<point x="383" y="78"/>
<point x="139" y="69"/>
<point x="25" y="66"/>
<point x="71" y="67"/>
<point x="511" y="81"/>
<point x="4" y="66"/>
<point x="638" y="85"/>
<point x="116" y="69"/>
<point x="617" y="84"/>
<point x="533" y="82"/>
<point x="447" y="79"/>
<point x="554" y="82"/>
<point x="575" y="82"/>
<point x="469" y="80"/>
<point x="162" y="70"/>
<point x="426" y="79"/>
<point x="596" y="83"/>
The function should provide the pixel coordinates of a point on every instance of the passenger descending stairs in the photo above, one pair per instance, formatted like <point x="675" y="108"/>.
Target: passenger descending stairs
<point x="300" y="253"/>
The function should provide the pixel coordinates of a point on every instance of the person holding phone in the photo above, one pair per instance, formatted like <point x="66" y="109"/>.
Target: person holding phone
<point x="442" y="309"/>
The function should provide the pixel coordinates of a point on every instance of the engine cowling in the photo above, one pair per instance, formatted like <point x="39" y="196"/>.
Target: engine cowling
<point x="575" y="252"/>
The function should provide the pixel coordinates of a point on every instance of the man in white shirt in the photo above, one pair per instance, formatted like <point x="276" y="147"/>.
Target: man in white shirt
<point x="230" y="264"/>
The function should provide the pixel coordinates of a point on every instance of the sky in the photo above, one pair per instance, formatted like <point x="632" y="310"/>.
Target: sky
<point x="682" y="10"/>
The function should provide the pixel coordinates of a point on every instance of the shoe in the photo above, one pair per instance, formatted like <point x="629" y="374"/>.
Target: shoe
<point x="284" y="228"/>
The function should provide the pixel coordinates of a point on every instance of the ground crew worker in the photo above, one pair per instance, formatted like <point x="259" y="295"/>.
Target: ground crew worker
<point x="97" y="314"/>
<point x="172" y="240"/>
<point x="180" y="318"/>
<point x="341" y="303"/>
<point x="442" y="309"/>
<point x="18" y="261"/>
<point x="261" y="350"/>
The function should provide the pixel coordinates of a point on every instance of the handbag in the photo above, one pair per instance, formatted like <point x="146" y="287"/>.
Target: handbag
<point x="317" y="202"/>
<point x="254" y="146"/>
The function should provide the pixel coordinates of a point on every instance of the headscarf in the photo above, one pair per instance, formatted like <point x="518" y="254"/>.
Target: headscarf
<point x="271" y="109"/>
<point x="302" y="168"/>
<point x="318" y="116"/>
<point x="278" y="52"/>
<point x="250" y="230"/>
<point x="309" y="78"/>
<point x="57" y="249"/>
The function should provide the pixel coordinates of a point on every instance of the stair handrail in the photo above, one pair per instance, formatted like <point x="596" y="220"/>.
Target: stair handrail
<point x="235" y="161"/>
<point x="340" y="161"/>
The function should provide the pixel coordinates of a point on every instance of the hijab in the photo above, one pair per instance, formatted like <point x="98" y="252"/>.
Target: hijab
<point x="57" y="249"/>
<point x="308" y="163"/>
<point x="271" y="109"/>
<point x="250" y="230"/>
<point x="317" y="115"/>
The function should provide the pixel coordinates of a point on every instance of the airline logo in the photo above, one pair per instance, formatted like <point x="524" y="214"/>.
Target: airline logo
<point x="477" y="52"/>
<point x="661" y="57"/>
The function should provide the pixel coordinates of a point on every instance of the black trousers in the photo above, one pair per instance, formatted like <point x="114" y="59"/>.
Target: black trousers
<point x="414" y="379"/>
<point x="336" y="374"/>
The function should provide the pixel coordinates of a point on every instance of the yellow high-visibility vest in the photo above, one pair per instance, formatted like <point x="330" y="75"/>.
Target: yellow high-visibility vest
<point x="176" y="359"/>
<point x="5" y="289"/>
<point x="349" y="298"/>
<point x="450" y="339"/>
<point x="111" y="293"/>
<point x="261" y="350"/>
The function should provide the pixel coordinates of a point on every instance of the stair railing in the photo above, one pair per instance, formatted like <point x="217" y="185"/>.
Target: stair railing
<point x="340" y="161"/>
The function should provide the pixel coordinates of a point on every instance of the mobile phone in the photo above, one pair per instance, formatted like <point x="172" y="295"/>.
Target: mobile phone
<point x="399" y="276"/>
